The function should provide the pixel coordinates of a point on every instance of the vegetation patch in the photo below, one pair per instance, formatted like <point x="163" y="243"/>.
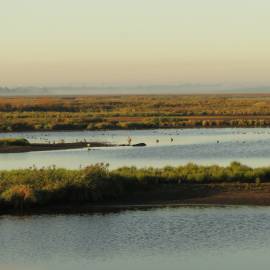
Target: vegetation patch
<point x="33" y="187"/>
<point x="14" y="142"/>
<point x="133" y="112"/>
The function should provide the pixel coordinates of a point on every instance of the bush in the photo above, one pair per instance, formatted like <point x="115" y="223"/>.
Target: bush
<point x="19" y="196"/>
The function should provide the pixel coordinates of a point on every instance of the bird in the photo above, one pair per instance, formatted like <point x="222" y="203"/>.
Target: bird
<point x="129" y="140"/>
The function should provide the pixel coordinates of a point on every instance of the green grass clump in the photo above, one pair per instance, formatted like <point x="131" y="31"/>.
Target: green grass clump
<point x="13" y="141"/>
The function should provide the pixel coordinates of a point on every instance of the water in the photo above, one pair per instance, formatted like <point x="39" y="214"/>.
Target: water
<point x="250" y="146"/>
<point x="169" y="238"/>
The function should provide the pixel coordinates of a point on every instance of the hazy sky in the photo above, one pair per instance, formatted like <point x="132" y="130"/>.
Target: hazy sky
<point x="46" y="42"/>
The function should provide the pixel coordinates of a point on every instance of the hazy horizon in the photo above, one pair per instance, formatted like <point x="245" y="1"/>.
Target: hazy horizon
<point x="180" y="89"/>
<point x="125" y="42"/>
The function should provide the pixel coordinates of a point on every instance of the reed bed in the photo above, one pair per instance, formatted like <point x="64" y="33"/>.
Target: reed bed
<point x="97" y="183"/>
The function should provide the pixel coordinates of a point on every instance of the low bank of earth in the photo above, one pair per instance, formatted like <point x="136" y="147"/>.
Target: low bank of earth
<point x="33" y="147"/>
<point x="165" y="196"/>
<point x="50" y="147"/>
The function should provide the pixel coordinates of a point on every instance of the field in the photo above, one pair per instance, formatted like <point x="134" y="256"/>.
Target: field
<point x="133" y="112"/>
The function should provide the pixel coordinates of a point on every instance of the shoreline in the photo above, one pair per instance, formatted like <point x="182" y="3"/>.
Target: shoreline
<point x="193" y="195"/>
<point x="34" y="147"/>
<point x="37" y="147"/>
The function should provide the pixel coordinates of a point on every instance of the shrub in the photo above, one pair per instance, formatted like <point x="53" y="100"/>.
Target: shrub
<point x="19" y="196"/>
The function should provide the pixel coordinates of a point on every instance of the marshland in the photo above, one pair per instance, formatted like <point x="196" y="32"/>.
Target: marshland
<point x="134" y="135"/>
<point x="133" y="112"/>
<point x="203" y="169"/>
<point x="70" y="134"/>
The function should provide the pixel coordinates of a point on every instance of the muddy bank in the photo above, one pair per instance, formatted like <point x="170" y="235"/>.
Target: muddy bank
<point x="50" y="147"/>
<point x="32" y="147"/>
<point x="168" y="196"/>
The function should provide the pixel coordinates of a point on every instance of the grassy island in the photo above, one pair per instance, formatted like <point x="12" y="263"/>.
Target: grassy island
<point x="56" y="189"/>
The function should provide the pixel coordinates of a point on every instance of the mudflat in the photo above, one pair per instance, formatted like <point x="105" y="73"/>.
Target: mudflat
<point x="50" y="147"/>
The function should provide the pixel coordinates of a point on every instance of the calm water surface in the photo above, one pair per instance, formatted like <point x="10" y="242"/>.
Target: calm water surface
<point x="204" y="146"/>
<point x="169" y="238"/>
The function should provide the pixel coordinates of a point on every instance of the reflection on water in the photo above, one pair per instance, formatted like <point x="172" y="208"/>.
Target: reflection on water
<point x="170" y="238"/>
<point x="204" y="146"/>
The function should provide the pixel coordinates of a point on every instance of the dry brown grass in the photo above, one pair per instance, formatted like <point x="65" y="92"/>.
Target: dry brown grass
<point x="109" y="112"/>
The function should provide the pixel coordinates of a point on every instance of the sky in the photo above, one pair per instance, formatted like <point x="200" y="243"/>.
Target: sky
<point x="134" y="42"/>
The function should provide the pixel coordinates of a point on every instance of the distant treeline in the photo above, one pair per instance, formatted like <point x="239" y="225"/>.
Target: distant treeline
<point x="53" y="186"/>
<point x="133" y="112"/>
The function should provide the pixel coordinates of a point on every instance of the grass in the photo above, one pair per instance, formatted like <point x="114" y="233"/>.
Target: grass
<point x="133" y="112"/>
<point x="34" y="187"/>
<point x="14" y="142"/>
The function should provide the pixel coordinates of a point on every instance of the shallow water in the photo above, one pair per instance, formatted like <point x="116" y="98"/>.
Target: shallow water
<point x="203" y="146"/>
<point x="169" y="238"/>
